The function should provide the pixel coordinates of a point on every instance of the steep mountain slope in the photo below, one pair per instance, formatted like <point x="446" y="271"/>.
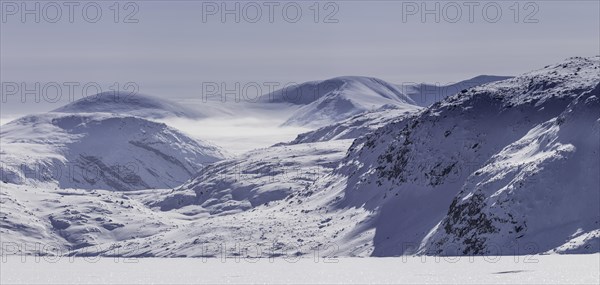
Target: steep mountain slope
<point x="100" y="151"/>
<point x="123" y="103"/>
<point x="540" y="191"/>
<point x="336" y="99"/>
<point x="426" y="94"/>
<point x="411" y="171"/>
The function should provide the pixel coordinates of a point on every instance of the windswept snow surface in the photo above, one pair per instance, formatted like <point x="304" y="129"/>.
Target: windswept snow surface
<point x="57" y="220"/>
<point x="537" y="269"/>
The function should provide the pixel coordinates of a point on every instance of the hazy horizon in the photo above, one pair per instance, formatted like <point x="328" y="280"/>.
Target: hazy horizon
<point x="173" y="48"/>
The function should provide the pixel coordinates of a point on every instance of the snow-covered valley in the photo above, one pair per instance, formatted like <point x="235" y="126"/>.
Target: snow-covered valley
<point x="509" y="167"/>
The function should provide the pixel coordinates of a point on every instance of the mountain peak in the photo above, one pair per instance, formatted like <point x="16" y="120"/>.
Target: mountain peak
<point x="128" y="103"/>
<point x="339" y="98"/>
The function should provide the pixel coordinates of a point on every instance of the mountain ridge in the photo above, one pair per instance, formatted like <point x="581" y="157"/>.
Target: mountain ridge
<point x="135" y="104"/>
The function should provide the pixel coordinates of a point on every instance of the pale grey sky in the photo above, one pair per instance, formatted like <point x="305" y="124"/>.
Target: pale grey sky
<point x="172" y="50"/>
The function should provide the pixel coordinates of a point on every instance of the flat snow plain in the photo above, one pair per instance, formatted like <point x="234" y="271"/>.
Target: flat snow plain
<point x="537" y="269"/>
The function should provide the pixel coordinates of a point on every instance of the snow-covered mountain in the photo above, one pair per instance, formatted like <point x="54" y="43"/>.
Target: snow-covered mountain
<point x="333" y="100"/>
<point x="425" y="94"/>
<point x="100" y="151"/>
<point x="541" y="191"/>
<point x="506" y="167"/>
<point x="330" y="101"/>
<point x="500" y="165"/>
<point x="135" y="104"/>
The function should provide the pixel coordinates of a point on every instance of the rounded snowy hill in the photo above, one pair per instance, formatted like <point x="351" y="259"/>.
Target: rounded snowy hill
<point x="311" y="91"/>
<point x="336" y="99"/>
<point x="131" y="104"/>
<point x="100" y="151"/>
